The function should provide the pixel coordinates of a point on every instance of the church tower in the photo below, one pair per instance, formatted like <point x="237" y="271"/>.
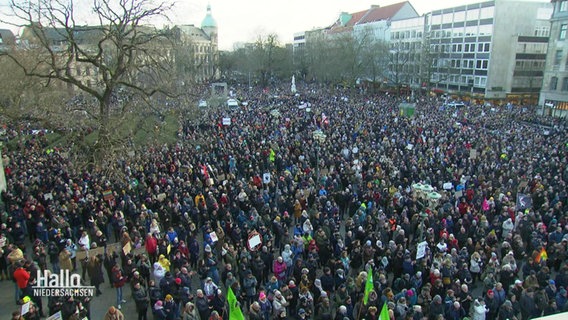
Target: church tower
<point x="209" y="26"/>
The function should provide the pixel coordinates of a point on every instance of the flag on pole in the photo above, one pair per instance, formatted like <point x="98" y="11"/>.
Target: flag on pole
<point x="272" y="155"/>
<point x="542" y="255"/>
<point x="384" y="312"/>
<point x="485" y="205"/>
<point x="368" y="286"/>
<point x="235" y="311"/>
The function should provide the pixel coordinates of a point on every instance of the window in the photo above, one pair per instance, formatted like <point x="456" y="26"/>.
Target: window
<point x="564" y="5"/>
<point x="480" y="47"/>
<point x="553" y="83"/>
<point x="485" y="63"/>
<point x="478" y="64"/>
<point x="486" y="47"/>
<point x="565" y="84"/>
<point x="562" y="34"/>
<point x="557" y="57"/>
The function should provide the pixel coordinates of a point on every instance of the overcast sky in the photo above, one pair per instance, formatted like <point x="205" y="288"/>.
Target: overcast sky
<point x="244" y="20"/>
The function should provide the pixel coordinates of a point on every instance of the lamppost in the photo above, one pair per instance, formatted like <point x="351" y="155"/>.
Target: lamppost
<point x="423" y="216"/>
<point x="319" y="137"/>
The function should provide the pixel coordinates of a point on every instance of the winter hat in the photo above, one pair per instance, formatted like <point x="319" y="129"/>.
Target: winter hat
<point x="178" y="281"/>
<point x="262" y="295"/>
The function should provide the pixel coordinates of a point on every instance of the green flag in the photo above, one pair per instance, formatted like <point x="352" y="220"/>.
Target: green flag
<point x="235" y="311"/>
<point x="384" y="312"/>
<point x="368" y="286"/>
<point x="272" y="155"/>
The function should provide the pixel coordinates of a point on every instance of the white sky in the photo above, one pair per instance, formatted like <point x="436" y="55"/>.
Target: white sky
<point x="244" y="20"/>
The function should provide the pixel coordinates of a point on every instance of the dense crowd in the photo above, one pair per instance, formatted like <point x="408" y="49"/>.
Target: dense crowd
<point x="329" y="209"/>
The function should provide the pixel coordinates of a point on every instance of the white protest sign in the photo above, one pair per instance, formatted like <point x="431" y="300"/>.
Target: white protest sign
<point x="421" y="249"/>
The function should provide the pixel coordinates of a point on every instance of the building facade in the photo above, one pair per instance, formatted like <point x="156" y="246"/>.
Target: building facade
<point x="492" y="50"/>
<point x="554" y="93"/>
<point x="192" y="50"/>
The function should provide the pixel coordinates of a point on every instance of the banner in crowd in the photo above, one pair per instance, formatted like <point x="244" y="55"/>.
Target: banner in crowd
<point x="113" y="247"/>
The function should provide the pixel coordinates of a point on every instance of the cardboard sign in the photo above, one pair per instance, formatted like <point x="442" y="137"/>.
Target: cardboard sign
<point x="139" y="251"/>
<point x="113" y="247"/>
<point x="127" y="248"/>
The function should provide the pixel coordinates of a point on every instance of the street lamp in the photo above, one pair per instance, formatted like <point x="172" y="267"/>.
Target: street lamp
<point x="423" y="216"/>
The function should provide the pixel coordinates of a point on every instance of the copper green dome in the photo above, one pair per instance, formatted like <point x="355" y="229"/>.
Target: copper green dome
<point x="209" y="21"/>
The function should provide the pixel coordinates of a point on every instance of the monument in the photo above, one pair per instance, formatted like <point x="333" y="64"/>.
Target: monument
<point x="293" y="86"/>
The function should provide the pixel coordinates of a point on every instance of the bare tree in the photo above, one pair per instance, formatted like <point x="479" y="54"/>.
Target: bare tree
<point x="117" y="63"/>
<point x="373" y="55"/>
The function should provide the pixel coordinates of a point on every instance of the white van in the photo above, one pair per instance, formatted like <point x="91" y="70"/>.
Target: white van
<point x="232" y="103"/>
<point x="455" y="105"/>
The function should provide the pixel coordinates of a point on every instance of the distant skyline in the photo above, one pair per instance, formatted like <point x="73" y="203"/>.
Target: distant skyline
<point x="244" y="20"/>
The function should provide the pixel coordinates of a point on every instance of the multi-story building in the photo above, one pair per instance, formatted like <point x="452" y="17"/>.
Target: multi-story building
<point x="405" y="53"/>
<point x="554" y="93"/>
<point x="193" y="51"/>
<point x="198" y="47"/>
<point x="493" y="49"/>
<point x="368" y="32"/>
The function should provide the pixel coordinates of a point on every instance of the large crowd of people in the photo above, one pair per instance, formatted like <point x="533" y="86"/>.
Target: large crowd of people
<point x="294" y="202"/>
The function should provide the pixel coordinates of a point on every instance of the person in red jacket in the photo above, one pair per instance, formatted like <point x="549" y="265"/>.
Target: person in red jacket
<point x="21" y="276"/>
<point x="151" y="247"/>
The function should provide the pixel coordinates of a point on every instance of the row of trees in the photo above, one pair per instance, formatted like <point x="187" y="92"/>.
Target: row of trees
<point x="341" y="58"/>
